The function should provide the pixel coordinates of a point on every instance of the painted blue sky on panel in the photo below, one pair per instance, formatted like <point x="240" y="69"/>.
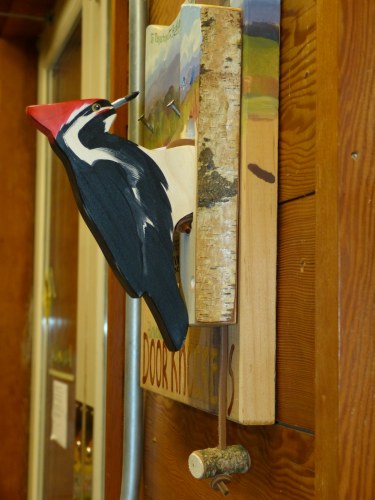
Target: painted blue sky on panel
<point x="266" y="11"/>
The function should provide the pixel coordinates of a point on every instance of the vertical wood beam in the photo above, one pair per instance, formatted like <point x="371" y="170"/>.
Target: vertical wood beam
<point x="17" y="172"/>
<point x="345" y="346"/>
<point x="356" y="215"/>
<point x="218" y="150"/>
<point x="326" y="340"/>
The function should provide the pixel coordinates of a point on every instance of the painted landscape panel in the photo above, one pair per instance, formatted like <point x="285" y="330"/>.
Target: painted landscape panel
<point x="191" y="375"/>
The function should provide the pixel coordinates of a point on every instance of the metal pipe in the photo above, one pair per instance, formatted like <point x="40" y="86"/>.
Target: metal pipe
<point x="138" y="14"/>
<point x="133" y="396"/>
<point x="133" y="405"/>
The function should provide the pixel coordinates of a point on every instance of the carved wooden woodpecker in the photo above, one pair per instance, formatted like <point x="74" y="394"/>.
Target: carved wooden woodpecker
<point x="122" y="195"/>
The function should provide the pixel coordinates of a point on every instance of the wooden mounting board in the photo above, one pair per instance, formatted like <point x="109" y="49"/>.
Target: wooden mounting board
<point x="204" y="44"/>
<point x="191" y="375"/>
<point x="218" y="154"/>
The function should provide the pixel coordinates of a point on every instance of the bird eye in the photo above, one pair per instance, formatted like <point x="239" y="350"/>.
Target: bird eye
<point x="96" y="106"/>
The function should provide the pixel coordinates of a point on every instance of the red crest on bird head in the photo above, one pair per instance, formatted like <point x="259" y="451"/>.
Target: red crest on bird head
<point x="49" y="118"/>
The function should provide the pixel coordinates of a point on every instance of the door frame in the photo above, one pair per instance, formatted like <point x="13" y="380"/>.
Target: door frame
<point x="92" y="269"/>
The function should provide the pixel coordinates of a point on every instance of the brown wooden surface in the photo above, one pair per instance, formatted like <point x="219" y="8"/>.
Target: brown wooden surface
<point x="17" y="173"/>
<point x="13" y="26"/>
<point x="326" y="336"/>
<point x="163" y="12"/>
<point x="295" y="313"/>
<point x="356" y="158"/>
<point x="282" y="459"/>
<point x="297" y="99"/>
<point x="345" y="312"/>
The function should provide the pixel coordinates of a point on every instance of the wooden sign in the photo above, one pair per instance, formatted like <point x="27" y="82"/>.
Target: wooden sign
<point x="188" y="68"/>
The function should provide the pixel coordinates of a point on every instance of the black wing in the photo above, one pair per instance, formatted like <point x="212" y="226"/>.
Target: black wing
<point x="125" y="205"/>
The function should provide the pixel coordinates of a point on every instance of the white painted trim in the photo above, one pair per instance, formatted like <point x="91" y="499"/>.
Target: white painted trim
<point x="55" y="37"/>
<point x="91" y="321"/>
<point x="92" y="278"/>
<point x="59" y="33"/>
<point x="38" y="378"/>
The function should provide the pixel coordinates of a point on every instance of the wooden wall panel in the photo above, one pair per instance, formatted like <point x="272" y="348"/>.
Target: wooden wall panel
<point x="17" y="27"/>
<point x="297" y="99"/>
<point x="164" y="11"/>
<point x="326" y="304"/>
<point x="282" y="459"/>
<point x="296" y="313"/>
<point x="356" y="158"/>
<point x="17" y="173"/>
<point x="345" y="312"/>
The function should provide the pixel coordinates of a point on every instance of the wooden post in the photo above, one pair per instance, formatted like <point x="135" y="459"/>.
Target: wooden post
<point x="218" y="154"/>
<point x="345" y="243"/>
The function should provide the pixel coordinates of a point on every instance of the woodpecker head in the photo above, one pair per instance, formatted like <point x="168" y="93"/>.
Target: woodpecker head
<point x="50" y="119"/>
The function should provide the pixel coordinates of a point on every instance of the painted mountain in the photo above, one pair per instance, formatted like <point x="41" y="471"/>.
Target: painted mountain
<point x="162" y="82"/>
<point x="172" y="73"/>
<point x="261" y="33"/>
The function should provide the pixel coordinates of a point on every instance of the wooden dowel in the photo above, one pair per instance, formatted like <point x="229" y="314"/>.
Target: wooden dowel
<point x="223" y="369"/>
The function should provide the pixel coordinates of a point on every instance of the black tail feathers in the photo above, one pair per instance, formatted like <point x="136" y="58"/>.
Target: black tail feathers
<point x="171" y="316"/>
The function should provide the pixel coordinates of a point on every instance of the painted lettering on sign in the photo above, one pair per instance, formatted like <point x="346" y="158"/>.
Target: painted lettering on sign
<point x="162" y="368"/>
<point x="164" y="35"/>
<point x="190" y="375"/>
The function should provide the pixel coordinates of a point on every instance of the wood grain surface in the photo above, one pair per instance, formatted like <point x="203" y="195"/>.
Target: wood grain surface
<point x="282" y="459"/>
<point x="327" y="273"/>
<point x="295" y="313"/>
<point x="345" y="312"/>
<point x="297" y="99"/>
<point x="17" y="172"/>
<point x="356" y="158"/>
<point x="13" y="27"/>
<point x="163" y="12"/>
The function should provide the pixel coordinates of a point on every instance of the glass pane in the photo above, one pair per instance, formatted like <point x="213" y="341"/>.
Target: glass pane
<point x="61" y="286"/>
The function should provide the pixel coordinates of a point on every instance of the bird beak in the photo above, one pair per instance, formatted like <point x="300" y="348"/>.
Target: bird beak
<point x="124" y="100"/>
